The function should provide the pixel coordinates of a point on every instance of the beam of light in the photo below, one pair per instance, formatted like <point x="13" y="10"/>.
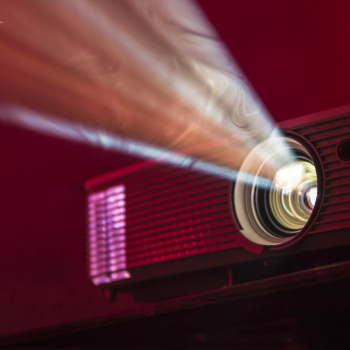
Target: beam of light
<point x="288" y="177"/>
<point x="128" y="73"/>
<point x="76" y="132"/>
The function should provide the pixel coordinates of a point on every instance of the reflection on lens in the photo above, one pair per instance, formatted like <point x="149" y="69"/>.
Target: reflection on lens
<point x="291" y="199"/>
<point x="311" y="196"/>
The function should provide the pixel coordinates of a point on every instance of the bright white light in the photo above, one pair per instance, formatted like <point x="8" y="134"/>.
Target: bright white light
<point x="289" y="177"/>
<point x="165" y="77"/>
<point x="72" y="131"/>
<point x="311" y="196"/>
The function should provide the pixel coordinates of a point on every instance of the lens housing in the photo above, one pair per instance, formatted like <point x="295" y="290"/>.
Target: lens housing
<point x="275" y="193"/>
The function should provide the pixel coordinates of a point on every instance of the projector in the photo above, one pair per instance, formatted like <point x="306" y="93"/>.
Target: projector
<point x="160" y="231"/>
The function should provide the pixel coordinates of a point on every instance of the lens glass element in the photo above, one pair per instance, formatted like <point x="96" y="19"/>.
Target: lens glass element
<point x="293" y="194"/>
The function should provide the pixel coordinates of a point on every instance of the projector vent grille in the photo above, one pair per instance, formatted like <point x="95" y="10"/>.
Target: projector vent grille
<point x="325" y="136"/>
<point x="166" y="213"/>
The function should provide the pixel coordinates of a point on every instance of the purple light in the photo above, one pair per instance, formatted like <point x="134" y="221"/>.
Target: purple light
<point x="92" y="219"/>
<point x="98" y="251"/>
<point x="92" y="226"/>
<point x="100" y="280"/>
<point x="115" y="198"/>
<point x="117" y="225"/>
<point x="115" y="276"/>
<point x="98" y="255"/>
<point x="117" y="260"/>
<point x="93" y="231"/>
<point x="121" y="275"/>
<point x="116" y="267"/>
<point x="117" y="256"/>
<point x="96" y="197"/>
<point x="107" y="242"/>
<point x="120" y="231"/>
<point x="93" y="239"/>
<point x="93" y="246"/>
<point x="116" y="245"/>
<point x="94" y="265"/>
<point x="116" y="239"/>
<point x="117" y="218"/>
<point x="118" y="211"/>
<point x="117" y="204"/>
<point x="120" y="265"/>
<point x="117" y="252"/>
<point x="114" y="190"/>
<point x="114" y="234"/>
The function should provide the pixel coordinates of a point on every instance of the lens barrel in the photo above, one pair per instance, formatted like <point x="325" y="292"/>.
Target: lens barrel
<point x="275" y="191"/>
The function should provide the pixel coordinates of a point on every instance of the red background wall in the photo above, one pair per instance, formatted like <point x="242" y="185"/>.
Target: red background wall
<point x="296" y="54"/>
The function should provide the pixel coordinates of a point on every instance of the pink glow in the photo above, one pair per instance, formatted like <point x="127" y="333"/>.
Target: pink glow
<point x="115" y="198"/>
<point x="117" y="260"/>
<point x="117" y="245"/>
<point x="93" y="239"/>
<point x="117" y="267"/>
<point x="93" y="246"/>
<point x="116" y="239"/>
<point x="98" y="251"/>
<point x="121" y="256"/>
<point x="115" y="218"/>
<point x="107" y="235"/>
<point x="116" y="253"/>
<point x="117" y="204"/>
<point x="93" y="252"/>
<point x="114" y="190"/>
<point x="95" y="258"/>
<point x="92" y="232"/>
<point x="120" y="231"/>
<point x="100" y="280"/>
<point x="94" y="265"/>
<point x="118" y="211"/>
<point x="117" y="225"/>
<point x="93" y="272"/>
<point x="96" y="197"/>
<point x="117" y="276"/>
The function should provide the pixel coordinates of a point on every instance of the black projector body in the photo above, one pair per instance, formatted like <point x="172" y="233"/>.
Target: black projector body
<point x="158" y="231"/>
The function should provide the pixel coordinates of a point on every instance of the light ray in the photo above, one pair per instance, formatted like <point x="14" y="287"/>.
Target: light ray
<point x="77" y="133"/>
<point x="149" y="78"/>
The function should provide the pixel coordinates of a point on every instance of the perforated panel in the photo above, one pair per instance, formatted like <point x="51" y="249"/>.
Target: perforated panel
<point x="163" y="213"/>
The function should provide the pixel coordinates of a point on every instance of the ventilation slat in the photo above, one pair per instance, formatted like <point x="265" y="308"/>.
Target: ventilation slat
<point x="325" y="136"/>
<point x="184" y="254"/>
<point x="315" y="129"/>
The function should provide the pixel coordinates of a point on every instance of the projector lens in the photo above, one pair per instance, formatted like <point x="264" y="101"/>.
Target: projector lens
<point x="275" y="192"/>
<point x="292" y="194"/>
